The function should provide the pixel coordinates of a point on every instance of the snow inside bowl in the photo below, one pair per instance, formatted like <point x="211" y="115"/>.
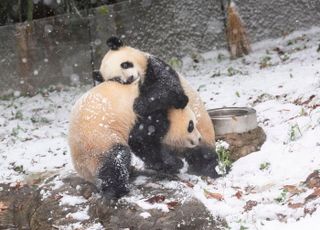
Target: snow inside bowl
<point x="233" y="119"/>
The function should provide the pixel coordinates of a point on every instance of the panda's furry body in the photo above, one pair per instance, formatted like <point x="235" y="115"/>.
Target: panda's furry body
<point x="160" y="88"/>
<point x="144" y="107"/>
<point x="100" y="125"/>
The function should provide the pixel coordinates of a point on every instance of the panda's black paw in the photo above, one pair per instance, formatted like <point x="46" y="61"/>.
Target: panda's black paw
<point x="114" y="193"/>
<point x="168" y="166"/>
<point x="209" y="170"/>
<point x="202" y="161"/>
<point x="181" y="101"/>
<point x="170" y="159"/>
<point x="172" y="164"/>
<point x="139" y="107"/>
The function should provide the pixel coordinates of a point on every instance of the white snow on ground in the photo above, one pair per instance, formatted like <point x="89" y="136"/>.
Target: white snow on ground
<point x="97" y="226"/>
<point x="79" y="225"/>
<point x="276" y="89"/>
<point x="145" y="215"/>
<point x="79" y="215"/>
<point x="143" y="203"/>
<point x="33" y="134"/>
<point x="277" y="79"/>
<point x="71" y="200"/>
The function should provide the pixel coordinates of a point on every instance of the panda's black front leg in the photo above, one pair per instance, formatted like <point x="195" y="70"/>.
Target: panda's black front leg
<point x="147" y="152"/>
<point x="114" y="173"/>
<point x="202" y="161"/>
<point x="158" y="157"/>
<point x="167" y="81"/>
<point x="145" y="136"/>
<point x="154" y="154"/>
<point x="172" y="163"/>
<point x="158" y="99"/>
<point x="161" y="89"/>
<point x="145" y="140"/>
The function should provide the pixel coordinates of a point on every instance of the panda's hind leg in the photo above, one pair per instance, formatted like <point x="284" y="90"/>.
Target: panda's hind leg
<point x="114" y="173"/>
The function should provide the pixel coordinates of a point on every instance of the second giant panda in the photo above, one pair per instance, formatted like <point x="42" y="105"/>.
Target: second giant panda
<point x="160" y="88"/>
<point x="100" y="125"/>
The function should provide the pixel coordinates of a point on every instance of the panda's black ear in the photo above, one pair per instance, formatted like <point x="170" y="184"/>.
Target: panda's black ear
<point x="114" y="43"/>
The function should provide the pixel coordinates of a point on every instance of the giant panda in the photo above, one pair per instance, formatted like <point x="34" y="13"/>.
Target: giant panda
<point x="160" y="88"/>
<point x="99" y="130"/>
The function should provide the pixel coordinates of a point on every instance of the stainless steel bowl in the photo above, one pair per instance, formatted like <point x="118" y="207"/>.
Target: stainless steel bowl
<point x="233" y="119"/>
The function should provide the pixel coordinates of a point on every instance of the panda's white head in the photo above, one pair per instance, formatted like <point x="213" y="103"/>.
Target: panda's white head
<point x="123" y="63"/>
<point x="183" y="132"/>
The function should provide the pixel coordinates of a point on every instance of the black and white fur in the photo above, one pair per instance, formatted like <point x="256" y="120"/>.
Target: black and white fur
<point x="100" y="130"/>
<point x="160" y="89"/>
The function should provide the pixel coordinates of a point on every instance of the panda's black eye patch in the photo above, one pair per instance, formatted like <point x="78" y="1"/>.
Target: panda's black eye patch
<point x="190" y="126"/>
<point x="126" y="65"/>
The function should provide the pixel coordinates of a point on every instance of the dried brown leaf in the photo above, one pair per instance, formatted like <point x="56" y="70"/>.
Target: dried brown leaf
<point x="19" y="185"/>
<point x="57" y="197"/>
<point x="156" y="199"/>
<point x="314" y="106"/>
<point x="284" y="110"/>
<point x="236" y="187"/>
<point x="171" y="205"/>
<point x="188" y="183"/>
<point x="249" y="205"/>
<point x="314" y="195"/>
<point x="238" y="194"/>
<point x="279" y="50"/>
<point x="213" y="195"/>
<point x="313" y="180"/>
<point x="295" y="205"/>
<point x="3" y="206"/>
<point x="281" y="217"/>
<point x="309" y="100"/>
<point x="299" y="101"/>
<point x="309" y="211"/>
<point x="250" y="189"/>
<point x="292" y="189"/>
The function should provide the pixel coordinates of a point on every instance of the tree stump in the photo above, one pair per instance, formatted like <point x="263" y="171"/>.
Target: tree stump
<point x="241" y="144"/>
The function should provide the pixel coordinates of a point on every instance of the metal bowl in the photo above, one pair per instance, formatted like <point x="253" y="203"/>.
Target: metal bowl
<point x="233" y="119"/>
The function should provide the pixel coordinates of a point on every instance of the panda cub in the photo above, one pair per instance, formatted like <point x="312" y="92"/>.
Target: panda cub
<point x="160" y="88"/>
<point x="100" y="124"/>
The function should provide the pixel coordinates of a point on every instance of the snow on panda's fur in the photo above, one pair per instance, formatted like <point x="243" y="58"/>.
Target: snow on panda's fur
<point x="100" y="124"/>
<point x="161" y="86"/>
